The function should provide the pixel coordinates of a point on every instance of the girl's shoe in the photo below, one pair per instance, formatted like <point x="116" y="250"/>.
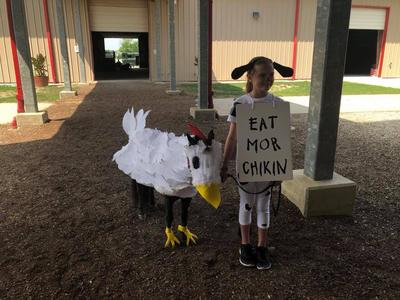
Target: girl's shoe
<point x="263" y="260"/>
<point x="247" y="258"/>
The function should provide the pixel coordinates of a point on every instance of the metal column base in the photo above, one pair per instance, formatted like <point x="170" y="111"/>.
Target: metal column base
<point x="320" y="198"/>
<point x="29" y="119"/>
<point x="201" y="114"/>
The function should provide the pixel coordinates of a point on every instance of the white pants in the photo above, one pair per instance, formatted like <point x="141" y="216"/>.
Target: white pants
<point x="260" y="202"/>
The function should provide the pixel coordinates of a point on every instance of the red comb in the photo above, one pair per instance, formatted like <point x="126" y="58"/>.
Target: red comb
<point x="197" y="132"/>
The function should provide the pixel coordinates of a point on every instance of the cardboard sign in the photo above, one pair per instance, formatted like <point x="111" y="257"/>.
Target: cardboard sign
<point x="263" y="142"/>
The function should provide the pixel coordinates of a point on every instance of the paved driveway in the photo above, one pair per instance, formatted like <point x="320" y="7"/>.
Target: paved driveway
<point x="388" y="82"/>
<point x="9" y="110"/>
<point x="349" y="103"/>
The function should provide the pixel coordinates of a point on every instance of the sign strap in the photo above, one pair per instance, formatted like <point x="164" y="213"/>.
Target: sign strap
<point x="269" y="187"/>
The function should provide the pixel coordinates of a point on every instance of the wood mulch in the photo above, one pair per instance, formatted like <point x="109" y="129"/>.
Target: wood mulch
<point x="68" y="228"/>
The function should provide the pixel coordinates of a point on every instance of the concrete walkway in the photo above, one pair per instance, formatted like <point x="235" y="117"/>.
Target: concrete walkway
<point x="387" y="82"/>
<point x="9" y="110"/>
<point x="349" y="103"/>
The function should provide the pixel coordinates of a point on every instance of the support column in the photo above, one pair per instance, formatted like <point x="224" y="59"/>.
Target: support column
<point x="31" y="116"/>
<point x="210" y="103"/>
<point x="79" y="40"/>
<point x="318" y="190"/>
<point x="330" y="44"/>
<point x="49" y="42"/>
<point x="20" y="96"/>
<point x="24" y="56"/>
<point x="67" y="92"/>
<point x="158" y="40"/>
<point x="204" y="54"/>
<point x="296" y="29"/>
<point x="171" y="36"/>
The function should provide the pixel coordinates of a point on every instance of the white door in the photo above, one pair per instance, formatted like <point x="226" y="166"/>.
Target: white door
<point x="118" y="15"/>
<point x="367" y="18"/>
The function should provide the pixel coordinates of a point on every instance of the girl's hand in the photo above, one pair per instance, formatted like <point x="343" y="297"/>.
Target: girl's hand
<point x="224" y="173"/>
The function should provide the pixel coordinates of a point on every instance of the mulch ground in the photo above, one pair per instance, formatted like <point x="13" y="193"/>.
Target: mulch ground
<point x="68" y="228"/>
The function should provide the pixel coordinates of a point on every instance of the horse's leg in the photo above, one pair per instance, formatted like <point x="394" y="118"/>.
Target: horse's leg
<point x="169" y="217"/>
<point x="187" y="235"/>
<point x="150" y="197"/>
<point x="141" y="203"/>
<point x="134" y="193"/>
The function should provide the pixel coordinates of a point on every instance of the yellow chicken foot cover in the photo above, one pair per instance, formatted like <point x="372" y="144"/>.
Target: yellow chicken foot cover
<point x="171" y="238"/>
<point x="190" y="237"/>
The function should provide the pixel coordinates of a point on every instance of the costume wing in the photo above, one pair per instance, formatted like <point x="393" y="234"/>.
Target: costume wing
<point x="154" y="158"/>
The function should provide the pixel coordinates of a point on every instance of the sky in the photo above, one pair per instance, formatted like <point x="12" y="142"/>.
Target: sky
<point x="112" y="43"/>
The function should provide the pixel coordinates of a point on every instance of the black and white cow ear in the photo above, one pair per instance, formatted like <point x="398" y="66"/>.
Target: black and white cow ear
<point x="192" y="141"/>
<point x="283" y="70"/>
<point x="211" y="135"/>
<point x="210" y="138"/>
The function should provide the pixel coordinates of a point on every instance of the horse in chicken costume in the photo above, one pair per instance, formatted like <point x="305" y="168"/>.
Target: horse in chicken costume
<point x="175" y="166"/>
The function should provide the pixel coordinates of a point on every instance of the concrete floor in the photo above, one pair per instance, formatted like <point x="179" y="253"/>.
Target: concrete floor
<point x="349" y="103"/>
<point x="9" y="110"/>
<point x="387" y="82"/>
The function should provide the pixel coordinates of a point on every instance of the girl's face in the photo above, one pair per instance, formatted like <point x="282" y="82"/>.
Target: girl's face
<point x="262" y="77"/>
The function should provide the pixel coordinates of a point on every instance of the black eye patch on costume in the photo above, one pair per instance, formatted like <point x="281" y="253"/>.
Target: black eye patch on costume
<point x="282" y="70"/>
<point x="196" y="162"/>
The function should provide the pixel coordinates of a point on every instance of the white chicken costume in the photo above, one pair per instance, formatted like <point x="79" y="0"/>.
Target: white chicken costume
<point x="175" y="166"/>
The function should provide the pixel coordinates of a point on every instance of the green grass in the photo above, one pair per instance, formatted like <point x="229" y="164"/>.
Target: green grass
<point x="289" y="88"/>
<point x="6" y="88"/>
<point x="221" y="90"/>
<point x="44" y="94"/>
<point x="350" y="88"/>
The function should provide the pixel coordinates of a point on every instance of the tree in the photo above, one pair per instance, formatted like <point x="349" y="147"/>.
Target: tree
<point x="128" y="46"/>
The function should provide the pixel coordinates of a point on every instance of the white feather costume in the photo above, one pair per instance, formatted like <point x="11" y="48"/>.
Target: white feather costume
<point x="171" y="165"/>
<point x="155" y="158"/>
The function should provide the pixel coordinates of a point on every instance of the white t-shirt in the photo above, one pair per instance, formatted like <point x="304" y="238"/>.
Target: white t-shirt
<point x="247" y="99"/>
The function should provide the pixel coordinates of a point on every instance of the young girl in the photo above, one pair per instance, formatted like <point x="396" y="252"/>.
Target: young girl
<point x="260" y="78"/>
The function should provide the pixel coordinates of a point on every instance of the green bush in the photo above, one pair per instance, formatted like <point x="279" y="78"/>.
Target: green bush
<point x="39" y="65"/>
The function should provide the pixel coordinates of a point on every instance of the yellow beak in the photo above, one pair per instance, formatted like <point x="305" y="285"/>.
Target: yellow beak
<point x="211" y="193"/>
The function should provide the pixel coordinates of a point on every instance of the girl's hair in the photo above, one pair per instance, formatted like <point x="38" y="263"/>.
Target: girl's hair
<point x="258" y="60"/>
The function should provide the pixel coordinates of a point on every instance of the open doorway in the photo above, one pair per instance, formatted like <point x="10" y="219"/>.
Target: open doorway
<point x="120" y="55"/>
<point x="362" y="52"/>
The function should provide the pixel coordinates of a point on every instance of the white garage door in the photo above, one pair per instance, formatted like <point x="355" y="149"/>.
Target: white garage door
<point x="118" y="15"/>
<point x="367" y="18"/>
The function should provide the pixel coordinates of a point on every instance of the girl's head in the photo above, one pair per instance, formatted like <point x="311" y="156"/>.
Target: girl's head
<point x="260" y="75"/>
